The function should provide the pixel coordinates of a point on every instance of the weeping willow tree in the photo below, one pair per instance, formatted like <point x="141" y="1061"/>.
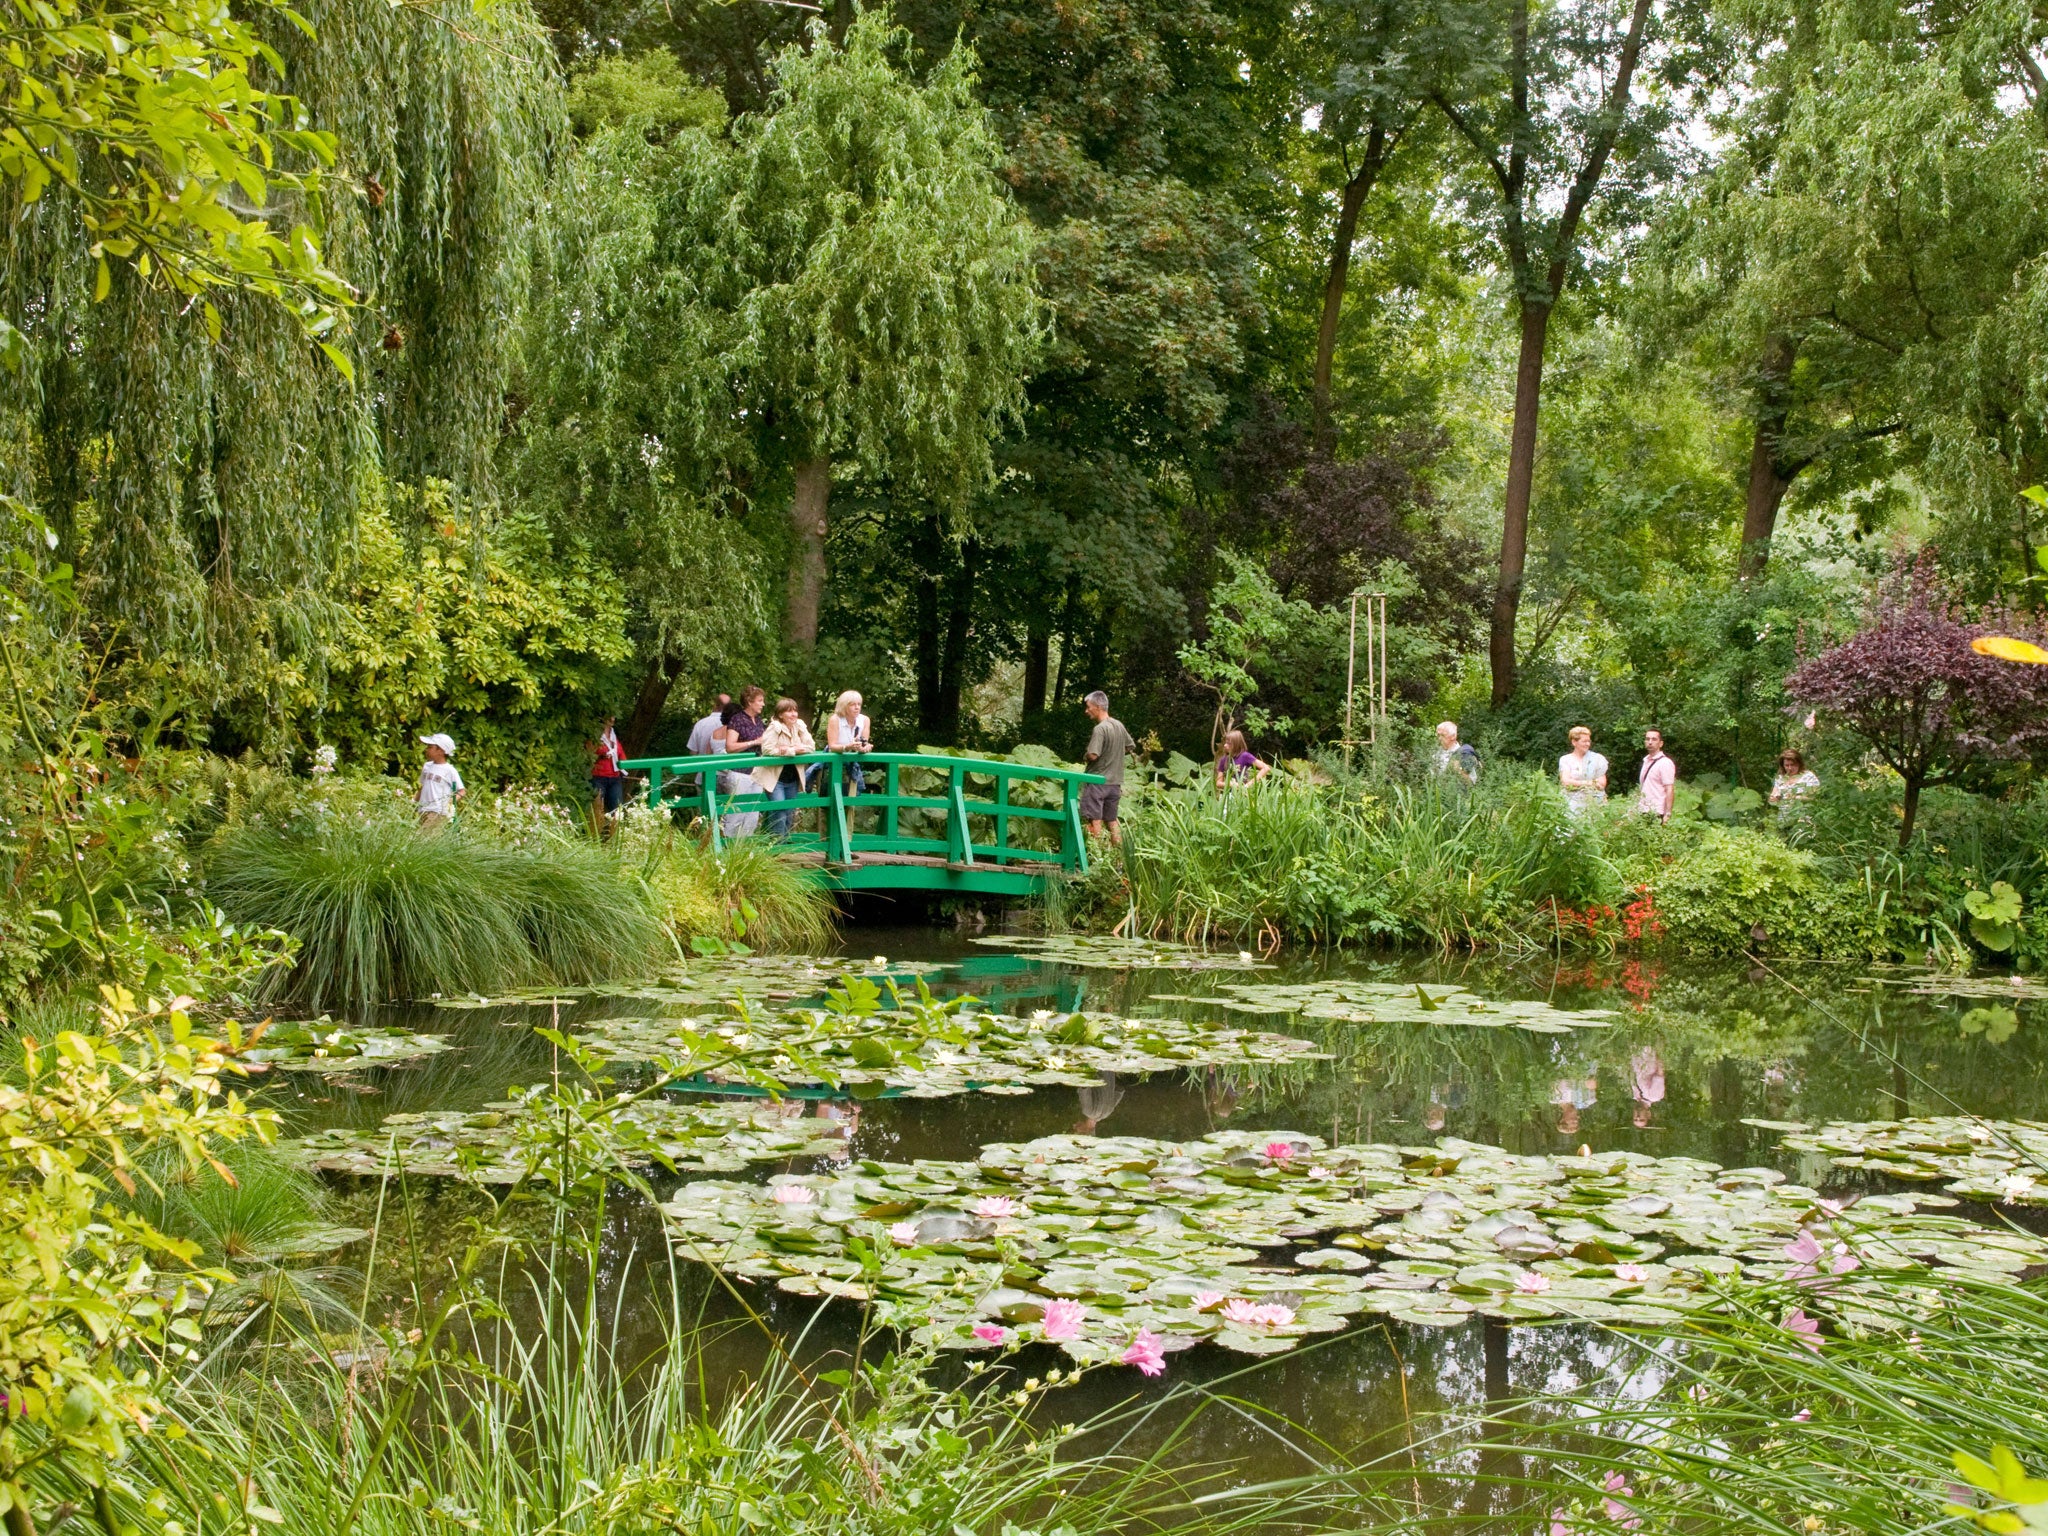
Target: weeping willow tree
<point x="837" y="286"/>
<point x="203" y="472"/>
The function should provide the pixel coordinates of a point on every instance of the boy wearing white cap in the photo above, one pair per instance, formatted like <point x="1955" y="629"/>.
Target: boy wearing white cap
<point x="440" y="785"/>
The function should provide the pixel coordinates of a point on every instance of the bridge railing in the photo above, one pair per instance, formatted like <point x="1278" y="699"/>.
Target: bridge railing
<point x="1009" y="801"/>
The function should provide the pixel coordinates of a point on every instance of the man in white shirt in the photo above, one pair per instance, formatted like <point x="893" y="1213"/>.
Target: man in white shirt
<point x="440" y="785"/>
<point x="708" y="735"/>
<point x="1657" y="779"/>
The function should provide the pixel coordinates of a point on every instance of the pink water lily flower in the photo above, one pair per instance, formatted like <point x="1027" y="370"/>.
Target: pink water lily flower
<point x="793" y="1194"/>
<point x="1204" y="1300"/>
<point x="1146" y="1354"/>
<point x="904" y="1232"/>
<point x="1617" y="1511"/>
<point x="1805" y="1329"/>
<point x="989" y="1333"/>
<point x="1529" y="1283"/>
<point x="1634" y="1274"/>
<point x="1252" y="1314"/>
<point x="1063" y="1319"/>
<point x="1809" y="1258"/>
<point x="995" y="1207"/>
<point x="1280" y="1151"/>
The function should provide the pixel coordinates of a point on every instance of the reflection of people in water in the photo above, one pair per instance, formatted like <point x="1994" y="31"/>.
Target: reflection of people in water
<point x="846" y="1114"/>
<point x="1572" y="1095"/>
<point x="1443" y="1098"/>
<point x="1220" y="1093"/>
<point x="1646" y="1083"/>
<point x="1098" y="1103"/>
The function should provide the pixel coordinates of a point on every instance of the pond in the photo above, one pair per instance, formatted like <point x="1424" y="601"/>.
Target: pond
<point x="1710" y="1062"/>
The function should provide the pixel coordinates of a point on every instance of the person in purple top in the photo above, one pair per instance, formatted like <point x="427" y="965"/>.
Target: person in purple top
<point x="1238" y="765"/>
<point x="743" y="731"/>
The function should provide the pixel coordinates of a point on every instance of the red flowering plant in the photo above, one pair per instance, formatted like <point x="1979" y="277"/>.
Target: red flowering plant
<point x="1908" y="683"/>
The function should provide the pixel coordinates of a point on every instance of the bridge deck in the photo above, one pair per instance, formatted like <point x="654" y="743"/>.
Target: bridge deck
<point x="935" y="822"/>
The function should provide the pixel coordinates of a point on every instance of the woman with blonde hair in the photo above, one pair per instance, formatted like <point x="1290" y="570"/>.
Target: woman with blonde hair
<point x="846" y="730"/>
<point x="1582" y="773"/>
<point x="786" y="736"/>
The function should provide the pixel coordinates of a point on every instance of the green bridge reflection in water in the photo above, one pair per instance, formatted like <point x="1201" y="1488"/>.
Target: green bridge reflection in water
<point x="924" y="821"/>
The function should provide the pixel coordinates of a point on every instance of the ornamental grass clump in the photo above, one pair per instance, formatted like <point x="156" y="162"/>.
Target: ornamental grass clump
<point x="383" y="911"/>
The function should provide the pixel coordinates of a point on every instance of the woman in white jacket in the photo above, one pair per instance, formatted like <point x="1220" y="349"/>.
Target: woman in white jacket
<point x="786" y="736"/>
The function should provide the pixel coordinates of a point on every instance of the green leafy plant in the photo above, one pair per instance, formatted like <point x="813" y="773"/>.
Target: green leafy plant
<point x="1995" y="916"/>
<point x="94" y="1330"/>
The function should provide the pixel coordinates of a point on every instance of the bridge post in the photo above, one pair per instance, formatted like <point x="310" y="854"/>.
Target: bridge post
<point x="959" y="847"/>
<point x="1075" y="853"/>
<point x="711" y="810"/>
<point x="838" y="845"/>
<point x="654" y="787"/>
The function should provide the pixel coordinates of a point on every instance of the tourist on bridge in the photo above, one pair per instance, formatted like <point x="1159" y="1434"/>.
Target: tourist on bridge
<point x="1108" y="744"/>
<point x="707" y="736"/>
<point x="744" y="728"/>
<point x="440" y="784"/>
<point x="785" y="736"/>
<point x="846" y="730"/>
<point x="1238" y="764"/>
<point x="1582" y="773"/>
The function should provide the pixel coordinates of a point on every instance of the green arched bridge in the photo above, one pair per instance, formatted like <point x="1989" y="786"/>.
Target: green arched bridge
<point x="923" y="821"/>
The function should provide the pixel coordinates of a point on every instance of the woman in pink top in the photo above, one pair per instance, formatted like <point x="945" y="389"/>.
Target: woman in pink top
<point x="1657" y="778"/>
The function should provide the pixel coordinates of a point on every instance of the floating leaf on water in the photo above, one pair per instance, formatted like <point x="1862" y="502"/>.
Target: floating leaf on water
<point x="1136" y="1232"/>
<point x="2001" y="1161"/>
<point x="1377" y="1002"/>
<point x="489" y="1145"/>
<point x="321" y="1045"/>
<point x="1101" y="951"/>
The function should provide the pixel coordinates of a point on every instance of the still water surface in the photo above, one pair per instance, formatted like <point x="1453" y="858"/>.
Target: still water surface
<point x="1692" y="1052"/>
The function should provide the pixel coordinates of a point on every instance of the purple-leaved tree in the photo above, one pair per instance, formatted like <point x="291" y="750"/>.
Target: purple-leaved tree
<point x="1908" y="683"/>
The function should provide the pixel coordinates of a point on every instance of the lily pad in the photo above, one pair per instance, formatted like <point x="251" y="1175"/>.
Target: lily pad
<point x="1381" y="1002"/>
<point x="927" y="1049"/>
<point x="488" y="1146"/>
<point x="2001" y="1161"/>
<point x="321" y="1045"/>
<point x="1255" y="1241"/>
<point x="1105" y="952"/>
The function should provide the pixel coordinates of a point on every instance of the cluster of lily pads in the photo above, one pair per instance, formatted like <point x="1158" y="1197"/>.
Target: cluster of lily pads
<point x="1097" y="951"/>
<point x="321" y="1045"/>
<point x="2002" y="1161"/>
<point x="716" y="982"/>
<point x="1257" y="1241"/>
<point x="499" y="1144"/>
<point x="924" y="1048"/>
<point x="1382" y="1002"/>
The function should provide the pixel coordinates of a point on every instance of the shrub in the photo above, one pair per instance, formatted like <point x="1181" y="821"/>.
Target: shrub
<point x="1711" y="885"/>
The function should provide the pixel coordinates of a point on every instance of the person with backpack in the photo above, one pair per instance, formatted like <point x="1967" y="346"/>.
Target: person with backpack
<point x="1454" y="758"/>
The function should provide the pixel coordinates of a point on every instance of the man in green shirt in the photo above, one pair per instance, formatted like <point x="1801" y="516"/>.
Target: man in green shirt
<point x="1107" y="744"/>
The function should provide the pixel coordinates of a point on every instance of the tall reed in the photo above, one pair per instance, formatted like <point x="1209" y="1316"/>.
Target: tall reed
<point x="1385" y="862"/>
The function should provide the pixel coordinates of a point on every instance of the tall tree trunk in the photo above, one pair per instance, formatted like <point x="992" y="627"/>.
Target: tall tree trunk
<point x="1769" y="474"/>
<point x="928" y="679"/>
<point x="1037" y="661"/>
<point x="1059" y="687"/>
<point x="809" y="509"/>
<point x="959" y="621"/>
<point x="1514" y="530"/>
<point x="1356" y="190"/>
<point x="1908" y="813"/>
<point x="842" y="18"/>
<point x="648" y="704"/>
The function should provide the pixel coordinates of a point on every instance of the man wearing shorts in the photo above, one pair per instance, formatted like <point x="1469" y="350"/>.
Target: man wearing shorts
<point x="1107" y="745"/>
